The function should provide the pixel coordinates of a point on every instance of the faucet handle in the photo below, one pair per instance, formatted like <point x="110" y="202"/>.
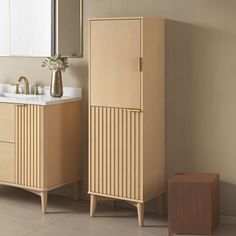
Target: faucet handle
<point x="17" y="91"/>
<point x="36" y="89"/>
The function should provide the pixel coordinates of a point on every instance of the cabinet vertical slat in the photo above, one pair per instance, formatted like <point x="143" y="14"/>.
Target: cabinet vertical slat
<point x="116" y="156"/>
<point x="128" y="155"/>
<point x="96" y="151"/>
<point x="124" y="153"/>
<point x="132" y="154"/>
<point x="137" y="156"/>
<point x="115" y="152"/>
<point x="22" y="126"/>
<point x="100" y="140"/>
<point x="35" y="145"/>
<point x="108" y="143"/>
<point x="104" y="150"/>
<point x="32" y="144"/>
<point x="92" y="184"/>
<point x="29" y="161"/>
<point x="38" y="145"/>
<point x="37" y="157"/>
<point x="141" y="160"/>
<point x="120" y="152"/>
<point x="112" y="157"/>
<point x="28" y="145"/>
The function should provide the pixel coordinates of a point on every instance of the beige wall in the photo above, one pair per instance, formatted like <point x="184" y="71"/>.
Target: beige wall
<point x="200" y="82"/>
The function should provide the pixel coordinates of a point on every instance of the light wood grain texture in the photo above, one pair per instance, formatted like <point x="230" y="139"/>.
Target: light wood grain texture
<point x="154" y="108"/>
<point x="44" y="201"/>
<point x="7" y="123"/>
<point x="62" y="140"/>
<point x="140" y="209"/>
<point x="125" y="144"/>
<point x="115" y="45"/>
<point x="116" y="175"/>
<point x="7" y="173"/>
<point x="47" y="152"/>
<point x="29" y="147"/>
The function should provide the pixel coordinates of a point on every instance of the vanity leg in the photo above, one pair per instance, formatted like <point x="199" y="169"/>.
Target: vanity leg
<point x="76" y="186"/>
<point x="44" y="201"/>
<point x="140" y="209"/>
<point x="93" y="204"/>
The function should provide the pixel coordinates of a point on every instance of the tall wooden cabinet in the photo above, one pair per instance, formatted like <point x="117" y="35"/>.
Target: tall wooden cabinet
<point x="126" y="110"/>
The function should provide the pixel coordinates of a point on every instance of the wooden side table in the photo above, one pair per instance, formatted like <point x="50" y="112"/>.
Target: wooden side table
<point x="193" y="200"/>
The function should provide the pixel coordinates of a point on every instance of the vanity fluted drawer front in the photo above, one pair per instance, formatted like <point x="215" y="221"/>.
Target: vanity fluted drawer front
<point x="7" y="122"/>
<point x="116" y="152"/>
<point x="29" y="144"/>
<point x="7" y="162"/>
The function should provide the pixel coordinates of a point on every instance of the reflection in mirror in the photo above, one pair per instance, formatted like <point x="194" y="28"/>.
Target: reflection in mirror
<point x="41" y="28"/>
<point x="69" y="27"/>
<point x="31" y="28"/>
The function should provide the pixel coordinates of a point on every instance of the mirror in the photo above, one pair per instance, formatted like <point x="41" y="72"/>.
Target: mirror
<point x="69" y="28"/>
<point x="41" y="28"/>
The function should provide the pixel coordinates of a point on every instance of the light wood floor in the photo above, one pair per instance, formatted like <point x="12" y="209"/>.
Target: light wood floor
<point x="20" y="214"/>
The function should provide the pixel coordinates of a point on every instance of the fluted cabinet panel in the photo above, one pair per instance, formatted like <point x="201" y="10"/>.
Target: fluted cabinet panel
<point x="29" y="156"/>
<point x="115" y="156"/>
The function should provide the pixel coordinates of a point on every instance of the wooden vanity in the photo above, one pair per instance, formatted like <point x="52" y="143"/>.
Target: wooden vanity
<point x="40" y="147"/>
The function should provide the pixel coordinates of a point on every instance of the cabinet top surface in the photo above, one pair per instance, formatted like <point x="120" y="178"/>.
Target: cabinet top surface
<point x="70" y="94"/>
<point x="194" y="178"/>
<point x="126" y="18"/>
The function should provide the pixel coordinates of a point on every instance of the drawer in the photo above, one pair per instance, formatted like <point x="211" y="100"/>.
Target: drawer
<point x="7" y="122"/>
<point x="7" y="162"/>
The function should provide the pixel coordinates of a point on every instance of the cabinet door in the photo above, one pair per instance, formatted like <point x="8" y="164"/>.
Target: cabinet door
<point x="31" y="27"/>
<point x="7" y="123"/>
<point x="4" y="27"/>
<point x="7" y="162"/>
<point x="115" y="49"/>
<point x="115" y="158"/>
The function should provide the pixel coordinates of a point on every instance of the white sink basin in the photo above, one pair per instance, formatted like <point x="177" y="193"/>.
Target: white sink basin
<point x="13" y="95"/>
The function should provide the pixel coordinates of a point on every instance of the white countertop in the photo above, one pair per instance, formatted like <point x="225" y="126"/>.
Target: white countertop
<point x="70" y="94"/>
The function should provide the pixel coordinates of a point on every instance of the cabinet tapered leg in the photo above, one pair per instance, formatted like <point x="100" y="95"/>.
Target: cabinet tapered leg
<point x="44" y="201"/>
<point x="76" y="186"/>
<point x="93" y="204"/>
<point x="140" y="209"/>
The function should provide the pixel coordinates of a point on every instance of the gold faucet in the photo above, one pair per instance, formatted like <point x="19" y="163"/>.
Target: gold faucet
<point x="26" y="82"/>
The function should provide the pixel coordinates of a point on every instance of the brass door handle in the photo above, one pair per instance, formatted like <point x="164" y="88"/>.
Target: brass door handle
<point x="134" y="110"/>
<point x="140" y="64"/>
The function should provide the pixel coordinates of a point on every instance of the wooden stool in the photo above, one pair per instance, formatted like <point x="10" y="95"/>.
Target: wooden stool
<point x="193" y="200"/>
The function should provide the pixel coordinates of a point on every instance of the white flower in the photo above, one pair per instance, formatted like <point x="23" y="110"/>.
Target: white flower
<point x="56" y="62"/>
